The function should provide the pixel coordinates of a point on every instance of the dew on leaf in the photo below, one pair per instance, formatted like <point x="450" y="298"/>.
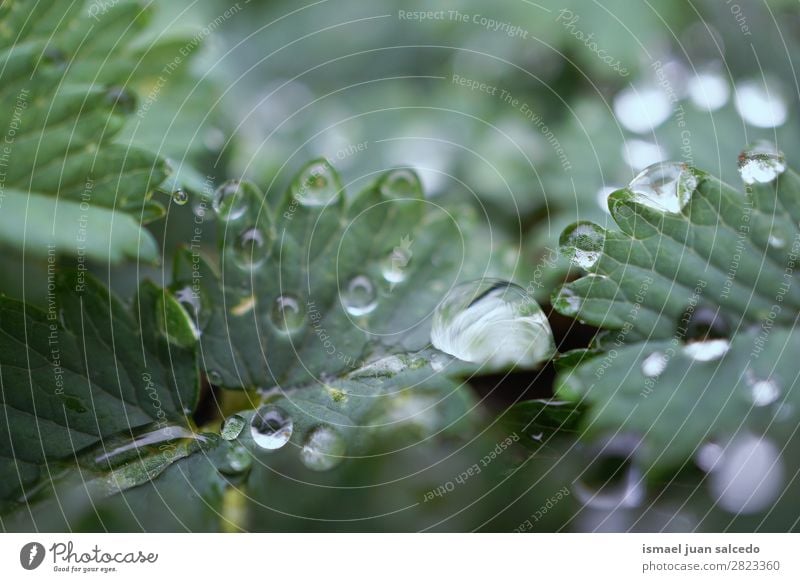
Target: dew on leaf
<point x="237" y="460"/>
<point x="250" y="249"/>
<point x="317" y="184"/>
<point x="583" y="243"/>
<point x="232" y="427"/>
<point x="665" y="187"/>
<point x="288" y="313"/>
<point x="360" y="296"/>
<point x="761" y="391"/>
<point x="232" y="198"/>
<point x="180" y="197"/>
<point x="492" y="322"/>
<point x="271" y="427"/>
<point x="401" y="183"/>
<point x="611" y="479"/>
<point x="762" y="162"/>
<point x="707" y="350"/>
<point x="323" y="449"/>
<point x="654" y="364"/>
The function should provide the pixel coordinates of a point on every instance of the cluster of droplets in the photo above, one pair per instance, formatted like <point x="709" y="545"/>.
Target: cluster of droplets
<point x="494" y="323"/>
<point x="271" y="429"/>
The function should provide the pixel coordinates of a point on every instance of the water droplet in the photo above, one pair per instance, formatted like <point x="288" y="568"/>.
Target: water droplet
<point x="177" y="323"/>
<point x="666" y="187"/>
<point x="583" y="243"/>
<point x="762" y="391"/>
<point x="271" y="427"/>
<point x="567" y="301"/>
<point x="194" y="302"/>
<point x="705" y="322"/>
<point x="288" y="313"/>
<point x="323" y="449"/>
<point x="233" y="427"/>
<point x="401" y="183"/>
<point x="611" y="479"/>
<point x="232" y="199"/>
<point x="760" y="105"/>
<point x="492" y="322"/>
<point x="360" y="297"/>
<point x="317" y="184"/>
<point x="237" y="460"/>
<point x="250" y="249"/>
<point x="119" y="449"/>
<point x="708" y="90"/>
<point x="706" y="351"/>
<point x="395" y="266"/>
<point x="707" y="456"/>
<point x="654" y="364"/>
<point x="643" y="109"/>
<point x="180" y="197"/>
<point x="214" y="377"/>
<point x="749" y="476"/>
<point x="639" y="154"/>
<point x="762" y="162"/>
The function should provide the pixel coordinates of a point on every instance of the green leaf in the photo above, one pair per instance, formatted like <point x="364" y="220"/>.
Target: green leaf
<point x="699" y="295"/>
<point x="311" y="289"/>
<point x="81" y="372"/>
<point x="65" y="70"/>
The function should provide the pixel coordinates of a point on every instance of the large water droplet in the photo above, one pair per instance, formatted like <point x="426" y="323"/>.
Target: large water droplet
<point x="666" y="187"/>
<point x="180" y="197"/>
<point x="760" y="105"/>
<point x="232" y="427"/>
<point x="271" y="427"/>
<point x="317" y="184"/>
<point x="323" y="449"/>
<point x="642" y="110"/>
<point x="250" y="248"/>
<point x="762" y="162"/>
<point x="761" y="391"/>
<point x="288" y="313"/>
<point x="611" y="479"/>
<point x="492" y="322"/>
<point x="360" y="297"/>
<point x="231" y="200"/>
<point x="708" y="90"/>
<point x="401" y="183"/>
<point x="654" y="364"/>
<point x="583" y="243"/>
<point x="749" y="476"/>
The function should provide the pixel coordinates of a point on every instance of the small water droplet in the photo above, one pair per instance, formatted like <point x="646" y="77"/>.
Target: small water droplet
<point x="639" y="154"/>
<point x="395" y="266"/>
<point x="708" y="90"/>
<point x="180" y="197"/>
<point x="760" y="105"/>
<point x="401" y="183"/>
<point x="642" y="109"/>
<point x="232" y="198"/>
<point x="492" y="322"/>
<point x="567" y="301"/>
<point x="611" y="480"/>
<point x="749" y="476"/>
<point x="288" y="313"/>
<point x="360" y="296"/>
<point x="707" y="456"/>
<point x="583" y="243"/>
<point x="761" y="391"/>
<point x="237" y="460"/>
<point x="706" y="351"/>
<point x="654" y="364"/>
<point x="317" y="184"/>
<point x="232" y="427"/>
<point x="271" y="428"/>
<point x="250" y="249"/>
<point x="666" y="187"/>
<point x="324" y="448"/>
<point x="762" y="162"/>
<point x="214" y="377"/>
